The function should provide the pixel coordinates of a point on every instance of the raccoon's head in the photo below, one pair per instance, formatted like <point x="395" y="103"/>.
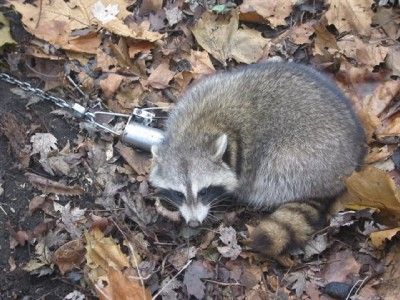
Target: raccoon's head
<point x="192" y="177"/>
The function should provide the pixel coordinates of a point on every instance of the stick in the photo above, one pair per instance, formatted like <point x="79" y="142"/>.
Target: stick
<point x="176" y="275"/>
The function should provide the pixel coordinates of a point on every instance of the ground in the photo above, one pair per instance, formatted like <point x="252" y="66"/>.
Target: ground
<point x="78" y="216"/>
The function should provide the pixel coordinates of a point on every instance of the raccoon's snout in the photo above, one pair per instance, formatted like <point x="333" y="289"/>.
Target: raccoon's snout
<point x="194" y="214"/>
<point x="194" y="224"/>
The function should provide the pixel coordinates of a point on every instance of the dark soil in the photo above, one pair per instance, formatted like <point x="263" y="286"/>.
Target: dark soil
<point x="19" y="284"/>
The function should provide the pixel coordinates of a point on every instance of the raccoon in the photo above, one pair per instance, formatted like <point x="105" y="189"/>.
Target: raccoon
<point x="276" y="136"/>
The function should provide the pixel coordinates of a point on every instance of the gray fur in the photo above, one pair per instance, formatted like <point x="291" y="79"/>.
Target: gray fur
<point x="292" y="136"/>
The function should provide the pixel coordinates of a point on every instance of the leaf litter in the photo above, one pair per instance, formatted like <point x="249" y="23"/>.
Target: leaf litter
<point x="101" y="221"/>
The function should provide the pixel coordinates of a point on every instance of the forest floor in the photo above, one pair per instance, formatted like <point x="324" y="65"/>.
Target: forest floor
<point x="78" y="217"/>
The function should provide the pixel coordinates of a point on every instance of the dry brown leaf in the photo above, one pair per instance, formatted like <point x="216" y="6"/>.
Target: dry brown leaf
<point x="274" y="12"/>
<point x="342" y="265"/>
<point x="139" y="161"/>
<point x="103" y="252"/>
<point x="56" y="22"/>
<point x="351" y="15"/>
<point x="16" y="133"/>
<point x="50" y="186"/>
<point x="389" y="288"/>
<point x="299" y="34"/>
<point x="389" y="132"/>
<point x="70" y="255"/>
<point x="111" y="84"/>
<point x="376" y="154"/>
<point x="247" y="46"/>
<point x="377" y="102"/>
<point x="136" y="47"/>
<point x="220" y="36"/>
<point x="105" y="62"/>
<point x="160" y="76"/>
<point x="388" y="19"/>
<point x="135" y="31"/>
<point x="393" y="60"/>
<point x="121" y="287"/>
<point x="369" y="54"/>
<point x="373" y="188"/>
<point x="324" y="40"/>
<point x="201" y="63"/>
<point x="150" y="5"/>
<point x="378" y="238"/>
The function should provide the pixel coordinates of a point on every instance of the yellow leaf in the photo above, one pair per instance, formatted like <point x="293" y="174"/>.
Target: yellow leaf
<point x="120" y="287"/>
<point x="373" y="188"/>
<point x="102" y="252"/>
<point x="378" y="238"/>
<point x="5" y="36"/>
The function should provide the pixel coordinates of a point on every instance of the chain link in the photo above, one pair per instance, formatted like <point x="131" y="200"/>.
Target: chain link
<point x="26" y="86"/>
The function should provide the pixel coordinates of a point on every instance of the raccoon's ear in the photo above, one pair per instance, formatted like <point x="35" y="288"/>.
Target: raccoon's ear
<point x="219" y="147"/>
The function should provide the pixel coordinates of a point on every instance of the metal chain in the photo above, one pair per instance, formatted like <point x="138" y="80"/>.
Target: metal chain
<point x="78" y="110"/>
<point x="26" y="86"/>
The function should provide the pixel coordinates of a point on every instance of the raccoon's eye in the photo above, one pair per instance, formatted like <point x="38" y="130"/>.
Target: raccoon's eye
<point x="179" y="194"/>
<point x="203" y="191"/>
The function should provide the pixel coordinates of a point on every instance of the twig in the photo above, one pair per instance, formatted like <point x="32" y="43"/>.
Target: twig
<point x="360" y="283"/>
<point x="101" y="291"/>
<point x="2" y="209"/>
<point x="223" y="283"/>
<point x="76" y="86"/>
<point x="134" y="258"/>
<point x="169" y="282"/>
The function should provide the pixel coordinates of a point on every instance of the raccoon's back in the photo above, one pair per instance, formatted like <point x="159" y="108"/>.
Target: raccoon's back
<point x="296" y="132"/>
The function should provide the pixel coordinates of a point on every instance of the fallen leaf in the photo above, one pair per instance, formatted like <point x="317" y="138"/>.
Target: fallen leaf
<point x="121" y="287"/>
<point x="366" y="53"/>
<point x="56" y="21"/>
<point x="378" y="238"/>
<point x="103" y="252"/>
<point x="373" y="188"/>
<point x="389" y="287"/>
<point x="393" y="60"/>
<point x="160" y="76"/>
<point x="5" y="36"/>
<point x="70" y="255"/>
<point x="139" y="161"/>
<point x="192" y="279"/>
<point x="275" y="12"/>
<point x="350" y="15"/>
<point x="16" y="133"/>
<point x="298" y="282"/>
<point x="150" y="5"/>
<point x="173" y="15"/>
<point x="43" y="143"/>
<point x="104" y="13"/>
<point x="110" y="84"/>
<point x="341" y="266"/>
<point x="71" y="218"/>
<point x="316" y="246"/>
<point x="180" y="257"/>
<point x="50" y="186"/>
<point x="201" y="63"/>
<point x="220" y="36"/>
<point x="231" y="248"/>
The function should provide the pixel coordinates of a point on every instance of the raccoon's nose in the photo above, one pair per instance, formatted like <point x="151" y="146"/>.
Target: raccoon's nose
<point x="193" y="223"/>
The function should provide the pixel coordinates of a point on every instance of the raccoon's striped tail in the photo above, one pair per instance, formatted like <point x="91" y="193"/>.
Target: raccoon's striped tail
<point x="290" y="226"/>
